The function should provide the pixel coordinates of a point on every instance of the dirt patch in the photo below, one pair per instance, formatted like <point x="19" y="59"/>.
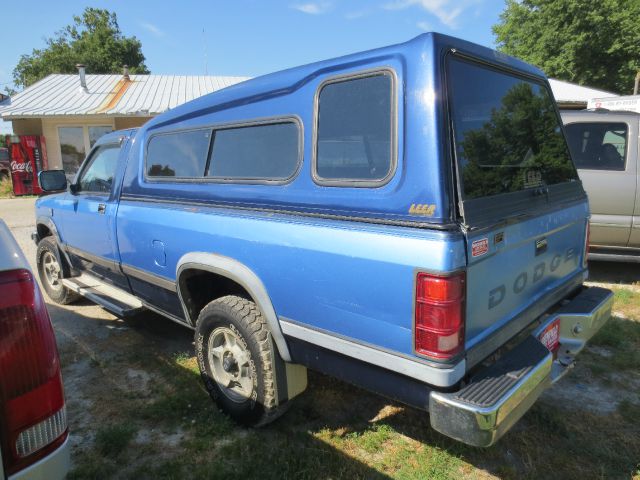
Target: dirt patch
<point x="598" y="394"/>
<point x="138" y="381"/>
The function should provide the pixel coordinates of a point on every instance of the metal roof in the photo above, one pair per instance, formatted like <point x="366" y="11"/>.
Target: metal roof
<point x="565" y="92"/>
<point x="115" y="95"/>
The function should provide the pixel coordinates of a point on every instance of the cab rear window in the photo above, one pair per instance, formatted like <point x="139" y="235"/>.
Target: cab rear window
<point x="506" y="130"/>
<point x="598" y="145"/>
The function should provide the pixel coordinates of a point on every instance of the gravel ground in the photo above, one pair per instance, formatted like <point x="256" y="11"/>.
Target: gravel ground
<point x="87" y="335"/>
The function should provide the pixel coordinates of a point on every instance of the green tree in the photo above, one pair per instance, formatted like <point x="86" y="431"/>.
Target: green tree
<point x="93" y="39"/>
<point x="594" y="43"/>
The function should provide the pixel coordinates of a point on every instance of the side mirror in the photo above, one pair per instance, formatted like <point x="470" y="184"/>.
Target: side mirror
<point x="52" y="180"/>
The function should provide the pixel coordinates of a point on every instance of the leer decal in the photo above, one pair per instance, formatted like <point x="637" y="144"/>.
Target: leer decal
<point x="425" y="209"/>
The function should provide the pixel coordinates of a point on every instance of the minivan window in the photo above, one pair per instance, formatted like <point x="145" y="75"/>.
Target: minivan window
<point x="354" y="130"/>
<point x="178" y="154"/>
<point x="268" y="151"/>
<point x="598" y="145"/>
<point x="507" y="133"/>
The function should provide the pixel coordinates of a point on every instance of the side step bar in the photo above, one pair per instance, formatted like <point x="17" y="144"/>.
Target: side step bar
<point x="630" y="255"/>
<point x="485" y="409"/>
<point x="111" y="298"/>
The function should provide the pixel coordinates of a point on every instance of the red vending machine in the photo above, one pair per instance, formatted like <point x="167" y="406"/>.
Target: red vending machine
<point x="28" y="157"/>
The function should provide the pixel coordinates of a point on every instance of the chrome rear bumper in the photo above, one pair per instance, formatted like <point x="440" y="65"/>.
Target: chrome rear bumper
<point x="496" y="398"/>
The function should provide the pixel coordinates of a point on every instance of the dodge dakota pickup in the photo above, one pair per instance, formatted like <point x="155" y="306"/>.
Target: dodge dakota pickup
<point x="407" y="219"/>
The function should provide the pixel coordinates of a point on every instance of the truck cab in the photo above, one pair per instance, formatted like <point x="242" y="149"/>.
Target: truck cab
<point x="377" y="217"/>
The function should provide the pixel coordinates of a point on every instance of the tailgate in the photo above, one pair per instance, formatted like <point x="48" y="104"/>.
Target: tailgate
<point x="512" y="267"/>
<point x="519" y="199"/>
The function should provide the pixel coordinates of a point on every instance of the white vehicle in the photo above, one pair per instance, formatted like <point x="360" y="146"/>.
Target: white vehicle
<point x="627" y="103"/>
<point x="33" y="420"/>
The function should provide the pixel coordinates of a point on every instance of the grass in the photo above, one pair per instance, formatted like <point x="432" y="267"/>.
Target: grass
<point x="112" y="440"/>
<point x="6" y="188"/>
<point x="338" y="431"/>
<point x="621" y="336"/>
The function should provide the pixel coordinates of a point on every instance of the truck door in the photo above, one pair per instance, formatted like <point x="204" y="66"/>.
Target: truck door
<point x="604" y="151"/>
<point x="88" y="219"/>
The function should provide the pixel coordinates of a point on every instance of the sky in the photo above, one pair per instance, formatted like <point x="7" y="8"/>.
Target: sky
<point x="249" y="37"/>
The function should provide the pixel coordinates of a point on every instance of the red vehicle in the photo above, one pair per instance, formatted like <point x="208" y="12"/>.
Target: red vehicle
<point x="33" y="419"/>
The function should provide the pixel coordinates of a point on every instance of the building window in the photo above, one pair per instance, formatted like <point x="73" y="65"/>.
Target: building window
<point x="96" y="132"/>
<point x="72" y="148"/>
<point x="76" y="141"/>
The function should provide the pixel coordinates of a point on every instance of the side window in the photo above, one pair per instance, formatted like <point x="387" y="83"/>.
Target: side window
<point x="178" y="154"/>
<point x="354" y="131"/>
<point x="269" y="152"/>
<point x="598" y="146"/>
<point x="98" y="175"/>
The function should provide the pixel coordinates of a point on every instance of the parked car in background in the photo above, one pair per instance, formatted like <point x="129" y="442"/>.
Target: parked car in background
<point x="319" y="218"/>
<point x="33" y="420"/>
<point x="604" y="148"/>
<point x="5" y="163"/>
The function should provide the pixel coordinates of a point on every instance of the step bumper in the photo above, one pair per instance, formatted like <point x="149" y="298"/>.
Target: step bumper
<point x="497" y="397"/>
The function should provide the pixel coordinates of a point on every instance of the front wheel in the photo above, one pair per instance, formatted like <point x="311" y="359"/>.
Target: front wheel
<point x="235" y="354"/>
<point x="50" y="272"/>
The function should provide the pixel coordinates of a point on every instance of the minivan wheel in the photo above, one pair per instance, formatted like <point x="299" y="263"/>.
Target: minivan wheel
<point x="50" y="273"/>
<point x="235" y="353"/>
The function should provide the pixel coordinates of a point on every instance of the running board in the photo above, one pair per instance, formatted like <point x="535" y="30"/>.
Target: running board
<point x="614" y="257"/>
<point x="111" y="298"/>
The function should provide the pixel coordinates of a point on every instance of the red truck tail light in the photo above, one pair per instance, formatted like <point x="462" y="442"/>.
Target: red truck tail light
<point x="32" y="410"/>
<point x="439" y="315"/>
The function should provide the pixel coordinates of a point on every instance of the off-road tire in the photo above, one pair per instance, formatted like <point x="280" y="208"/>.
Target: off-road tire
<point x="244" y="318"/>
<point x="61" y="295"/>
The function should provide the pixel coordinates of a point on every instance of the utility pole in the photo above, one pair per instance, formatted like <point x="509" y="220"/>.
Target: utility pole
<point x="204" y="44"/>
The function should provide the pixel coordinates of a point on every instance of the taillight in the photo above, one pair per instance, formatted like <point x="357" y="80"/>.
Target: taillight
<point x="439" y="315"/>
<point x="586" y="244"/>
<point x="33" y="416"/>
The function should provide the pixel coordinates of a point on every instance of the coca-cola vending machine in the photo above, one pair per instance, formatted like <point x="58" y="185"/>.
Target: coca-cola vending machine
<point x="28" y="157"/>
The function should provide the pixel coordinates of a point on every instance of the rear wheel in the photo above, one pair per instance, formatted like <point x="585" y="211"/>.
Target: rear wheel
<point x="50" y="272"/>
<point x="235" y="353"/>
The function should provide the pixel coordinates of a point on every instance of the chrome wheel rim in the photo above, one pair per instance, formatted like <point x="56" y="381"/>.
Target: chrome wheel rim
<point x="230" y="363"/>
<point x="51" y="270"/>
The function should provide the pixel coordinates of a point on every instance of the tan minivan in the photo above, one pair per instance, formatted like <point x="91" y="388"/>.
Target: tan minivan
<point x="604" y="147"/>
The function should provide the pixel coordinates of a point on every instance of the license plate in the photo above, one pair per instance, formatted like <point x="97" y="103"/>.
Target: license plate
<point x="550" y="336"/>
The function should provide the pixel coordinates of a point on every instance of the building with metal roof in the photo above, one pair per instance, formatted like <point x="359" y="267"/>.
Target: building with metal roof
<point x="575" y="97"/>
<point x="73" y="111"/>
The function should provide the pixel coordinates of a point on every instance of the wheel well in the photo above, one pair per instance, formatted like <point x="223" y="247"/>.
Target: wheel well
<point x="199" y="287"/>
<point x="43" y="231"/>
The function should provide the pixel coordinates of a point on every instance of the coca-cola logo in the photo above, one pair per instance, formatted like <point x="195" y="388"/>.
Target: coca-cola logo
<point x="21" y="166"/>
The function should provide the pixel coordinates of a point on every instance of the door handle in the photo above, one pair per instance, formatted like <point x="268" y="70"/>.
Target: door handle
<point x="102" y="208"/>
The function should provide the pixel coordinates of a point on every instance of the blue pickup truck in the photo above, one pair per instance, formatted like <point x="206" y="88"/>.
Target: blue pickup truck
<point x="407" y="219"/>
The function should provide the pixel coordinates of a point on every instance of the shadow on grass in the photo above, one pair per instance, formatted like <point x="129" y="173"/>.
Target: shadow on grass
<point x="212" y="447"/>
<point x="335" y="430"/>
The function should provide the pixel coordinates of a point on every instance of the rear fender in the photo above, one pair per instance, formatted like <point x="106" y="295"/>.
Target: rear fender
<point x="244" y="276"/>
